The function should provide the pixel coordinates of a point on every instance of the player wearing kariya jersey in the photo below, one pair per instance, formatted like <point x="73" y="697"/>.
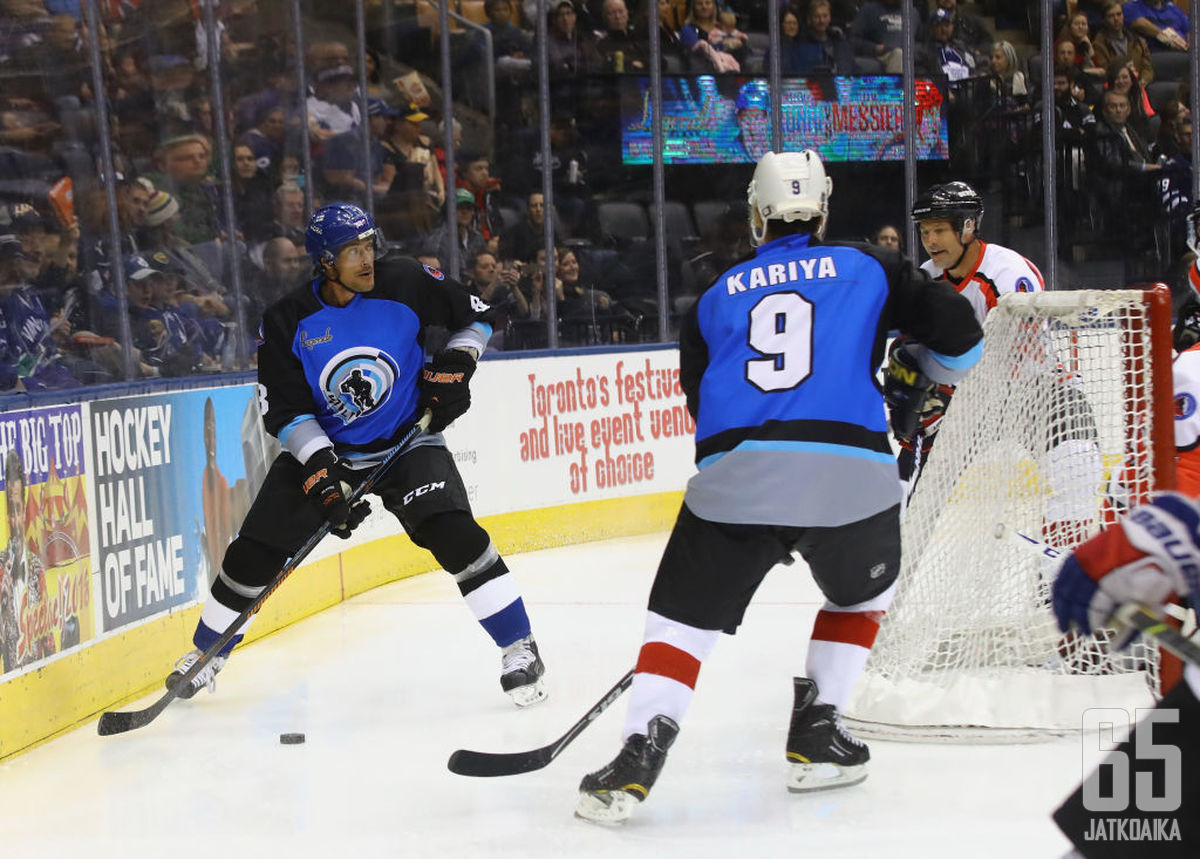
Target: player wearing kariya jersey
<point x="341" y="378"/>
<point x="778" y="359"/>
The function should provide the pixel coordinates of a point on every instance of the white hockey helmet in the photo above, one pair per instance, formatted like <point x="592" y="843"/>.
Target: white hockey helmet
<point x="788" y="186"/>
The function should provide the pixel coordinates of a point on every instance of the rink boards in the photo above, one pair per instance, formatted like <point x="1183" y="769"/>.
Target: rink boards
<point x="129" y="499"/>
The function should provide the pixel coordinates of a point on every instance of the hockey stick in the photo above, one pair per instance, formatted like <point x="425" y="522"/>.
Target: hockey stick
<point x="1133" y="615"/>
<point x="118" y="722"/>
<point x="487" y="764"/>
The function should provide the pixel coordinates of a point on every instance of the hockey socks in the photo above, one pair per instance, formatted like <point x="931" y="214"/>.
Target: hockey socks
<point x="491" y="594"/>
<point x="666" y="672"/>
<point x="841" y="641"/>
<point x="214" y="620"/>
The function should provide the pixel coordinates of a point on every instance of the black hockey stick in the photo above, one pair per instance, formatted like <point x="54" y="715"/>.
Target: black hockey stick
<point x="1133" y="615"/>
<point x="486" y="764"/>
<point x="115" y="722"/>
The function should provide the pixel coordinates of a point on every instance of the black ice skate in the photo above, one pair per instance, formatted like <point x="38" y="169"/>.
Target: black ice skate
<point x="821" y="751"/>
<point x="609" y="795"/>
<point x="206" y="677"/>
<point x="521" y="671"/>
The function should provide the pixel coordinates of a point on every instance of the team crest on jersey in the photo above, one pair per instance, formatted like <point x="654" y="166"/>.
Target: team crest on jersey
<point x="1185" y="406"/>
<point x="479" y="305"/>
<point x="1024" y="284"/>
<point x="433" y="272"/>
<point x="358" y="381"/>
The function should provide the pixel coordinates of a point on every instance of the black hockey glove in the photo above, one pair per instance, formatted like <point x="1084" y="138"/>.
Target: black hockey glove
<point x="445" y="387"/>
<point x="324" y="487"/>
<point x="908" y="392"/>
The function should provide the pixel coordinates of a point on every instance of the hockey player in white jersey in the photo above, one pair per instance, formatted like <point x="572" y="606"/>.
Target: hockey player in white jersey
<point x="948" y="218"/>
<point x="1186" y="373"/>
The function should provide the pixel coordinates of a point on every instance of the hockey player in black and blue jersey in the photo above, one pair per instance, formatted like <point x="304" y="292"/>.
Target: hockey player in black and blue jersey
<point x="341" y="378"/>
<point x="778" y="360"/>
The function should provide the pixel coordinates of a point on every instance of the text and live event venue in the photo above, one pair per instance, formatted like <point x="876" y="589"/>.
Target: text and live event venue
<point x="582" y="165"/>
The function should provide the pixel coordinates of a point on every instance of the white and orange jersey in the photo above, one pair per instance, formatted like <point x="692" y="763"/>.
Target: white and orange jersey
<point x="1186" y="371"/>
<point x="999" y="271"/>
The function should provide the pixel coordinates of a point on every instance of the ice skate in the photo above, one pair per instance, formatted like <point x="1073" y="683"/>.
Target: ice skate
<point x="609" y="795"/>
<point x="206" y="677"/>
<point x="521" y="671"/>
<point x="822" y="753"/>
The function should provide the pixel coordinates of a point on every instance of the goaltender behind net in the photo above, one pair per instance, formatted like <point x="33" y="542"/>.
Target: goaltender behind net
<point x="342" y="378"/>
<point x="778" y="360"/>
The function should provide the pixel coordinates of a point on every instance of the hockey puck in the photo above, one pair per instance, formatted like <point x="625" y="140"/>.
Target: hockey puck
<point x="291" y="739"/>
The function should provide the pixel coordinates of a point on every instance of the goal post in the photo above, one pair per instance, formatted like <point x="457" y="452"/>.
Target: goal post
<point x="1065" y="422"/>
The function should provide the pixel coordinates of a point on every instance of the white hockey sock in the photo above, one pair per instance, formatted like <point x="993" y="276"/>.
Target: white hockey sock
<point x="841" y="642"/>
<point x="218" y="618"/>
<point x="667" y="668"/>
<point x="835" y="666"/>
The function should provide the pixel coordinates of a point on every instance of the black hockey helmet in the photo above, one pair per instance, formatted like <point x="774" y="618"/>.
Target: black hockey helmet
<point x="956" y="202"/>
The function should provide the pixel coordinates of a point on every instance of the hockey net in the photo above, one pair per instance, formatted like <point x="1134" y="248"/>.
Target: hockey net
<point x="1066" y="420"/>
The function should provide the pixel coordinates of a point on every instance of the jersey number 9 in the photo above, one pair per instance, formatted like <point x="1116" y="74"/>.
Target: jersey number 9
<point x="780" y="330"/>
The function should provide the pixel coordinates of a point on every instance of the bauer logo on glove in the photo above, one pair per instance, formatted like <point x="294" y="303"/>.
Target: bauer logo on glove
<point x="325" y="484"/>
<point x="445" y="387"/>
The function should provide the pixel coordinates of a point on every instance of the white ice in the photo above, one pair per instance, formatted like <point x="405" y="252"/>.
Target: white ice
<point x="388" y="684"/>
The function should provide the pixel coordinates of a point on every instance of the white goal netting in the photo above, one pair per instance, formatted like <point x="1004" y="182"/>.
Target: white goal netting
<point x="1051" y="435"/>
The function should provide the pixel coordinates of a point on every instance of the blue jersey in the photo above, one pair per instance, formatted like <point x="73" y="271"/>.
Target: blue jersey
<point x="355" y="368"/>
<point x="30" y="340"/>
<point x="779" y="359"/>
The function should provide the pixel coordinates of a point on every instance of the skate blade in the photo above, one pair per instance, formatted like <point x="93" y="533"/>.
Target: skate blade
<point x="608" y="809"/>
<point x="530" y="694"/>
<point x="807" y="778"/>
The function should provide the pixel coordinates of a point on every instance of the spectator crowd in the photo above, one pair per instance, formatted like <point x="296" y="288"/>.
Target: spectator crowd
<point x="154" y="267"/>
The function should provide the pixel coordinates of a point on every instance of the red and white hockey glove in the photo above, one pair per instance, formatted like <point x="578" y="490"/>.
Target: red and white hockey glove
<point x="1152" y="554"/>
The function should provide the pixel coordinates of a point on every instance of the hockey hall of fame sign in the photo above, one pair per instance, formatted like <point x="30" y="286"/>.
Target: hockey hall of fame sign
<point x="173" y="475"/>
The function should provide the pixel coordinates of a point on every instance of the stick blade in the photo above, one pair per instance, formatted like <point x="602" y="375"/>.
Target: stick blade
<point x="490" y="764"/>
<point x="118" y="722"/>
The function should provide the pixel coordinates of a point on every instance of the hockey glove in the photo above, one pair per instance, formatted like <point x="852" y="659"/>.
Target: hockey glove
<point x="445" y="387"/>
<point x="907" y="391"/>
<point x="1150" y="555"/>
<point x="324" y="487"/>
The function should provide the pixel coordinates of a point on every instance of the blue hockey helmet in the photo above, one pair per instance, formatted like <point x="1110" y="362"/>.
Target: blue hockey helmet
<point x="335" y="225"/>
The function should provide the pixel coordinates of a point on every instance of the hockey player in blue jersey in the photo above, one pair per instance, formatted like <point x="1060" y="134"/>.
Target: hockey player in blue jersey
<point x="341" y="378"/>
<point x="778" y="360"/>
